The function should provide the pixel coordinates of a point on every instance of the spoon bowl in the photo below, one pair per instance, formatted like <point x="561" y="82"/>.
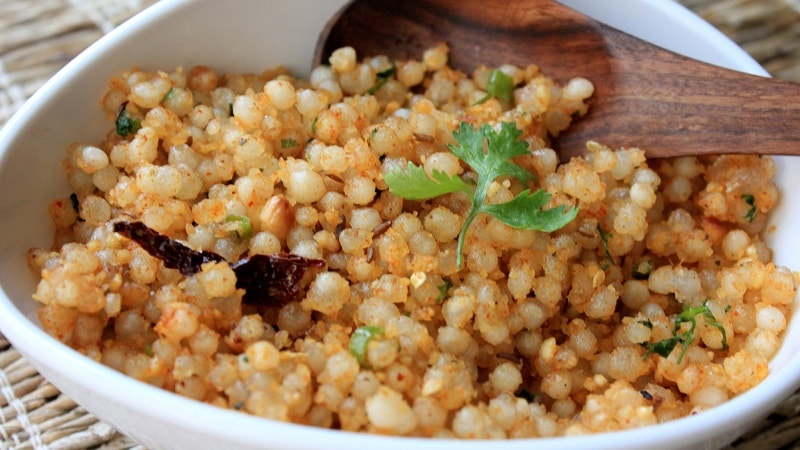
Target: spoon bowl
<point x="645" y="96"/>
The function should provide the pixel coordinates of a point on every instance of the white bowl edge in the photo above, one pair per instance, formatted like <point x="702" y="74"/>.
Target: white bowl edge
<point x="158" y="424"/>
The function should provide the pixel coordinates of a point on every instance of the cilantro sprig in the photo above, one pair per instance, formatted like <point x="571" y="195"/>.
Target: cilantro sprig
<point x="683" y="336"/>
<point x="489" y="153"/>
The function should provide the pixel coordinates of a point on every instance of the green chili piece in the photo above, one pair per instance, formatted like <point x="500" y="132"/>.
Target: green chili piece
<point x="500" y="85"/>
<point x="243" y="227"/>
<point x="359" y="340"/>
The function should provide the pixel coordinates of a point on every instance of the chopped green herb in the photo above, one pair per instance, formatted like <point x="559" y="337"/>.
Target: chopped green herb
<point x="314" y="126"/>
<point x="750" y="200"/>
<point x="685" y="337"/>
<point x="288" y="143"/>
<point x="148" y="350"/>
<point x="665" y="347"/>
<point x="524" y="211"/>
<point x="125" y="124"/>
<point x="604" y="239"/>
<point x="647" y="323"/>
<point x="643" y="269"/>
<point x="499" y="85"/>
<point x="381" y="78"/>
<point x="230" y="109"/>
<point x="359" y="340"/>
<point x="240" y="227"/>
<point x="168" y="95"/>
<point x="238" y="405"/>
<point x="245" y="359"/>
<point x="443" y="289"/>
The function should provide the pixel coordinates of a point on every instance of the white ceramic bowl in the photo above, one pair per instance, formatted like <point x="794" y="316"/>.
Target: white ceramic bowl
<point x="249" y="35"/>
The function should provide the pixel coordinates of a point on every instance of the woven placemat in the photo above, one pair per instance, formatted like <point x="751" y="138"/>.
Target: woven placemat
<point x="37" y="37"/>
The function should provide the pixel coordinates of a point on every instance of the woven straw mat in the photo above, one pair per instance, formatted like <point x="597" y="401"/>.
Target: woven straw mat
<point x="37" y="37"/>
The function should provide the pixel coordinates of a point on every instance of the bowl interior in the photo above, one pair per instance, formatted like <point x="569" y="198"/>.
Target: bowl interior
<point x="251" y="35"/>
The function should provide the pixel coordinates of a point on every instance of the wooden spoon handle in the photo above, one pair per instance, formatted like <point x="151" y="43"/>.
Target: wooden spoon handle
<point x="654" y="99"/>
<point x="645" y="96"/>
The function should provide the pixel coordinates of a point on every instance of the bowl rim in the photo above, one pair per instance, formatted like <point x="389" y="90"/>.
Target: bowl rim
<point x="29" y="338"/>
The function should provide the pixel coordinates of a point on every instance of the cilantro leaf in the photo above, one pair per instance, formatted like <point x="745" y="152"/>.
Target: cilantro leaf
<point x="414" y="184"/>
<point x="489" y="153"/>
<point x="525" y="211"/>
<point x="504" y="145"/>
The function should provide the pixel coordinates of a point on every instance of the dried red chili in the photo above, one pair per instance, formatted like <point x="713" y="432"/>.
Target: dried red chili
<point x="274" y="279"/>
<point x="268" y="280"/>
<point x="174" y="254"/>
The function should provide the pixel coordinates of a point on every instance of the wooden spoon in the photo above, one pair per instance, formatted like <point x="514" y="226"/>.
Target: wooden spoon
<point x="645" y="96"/>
